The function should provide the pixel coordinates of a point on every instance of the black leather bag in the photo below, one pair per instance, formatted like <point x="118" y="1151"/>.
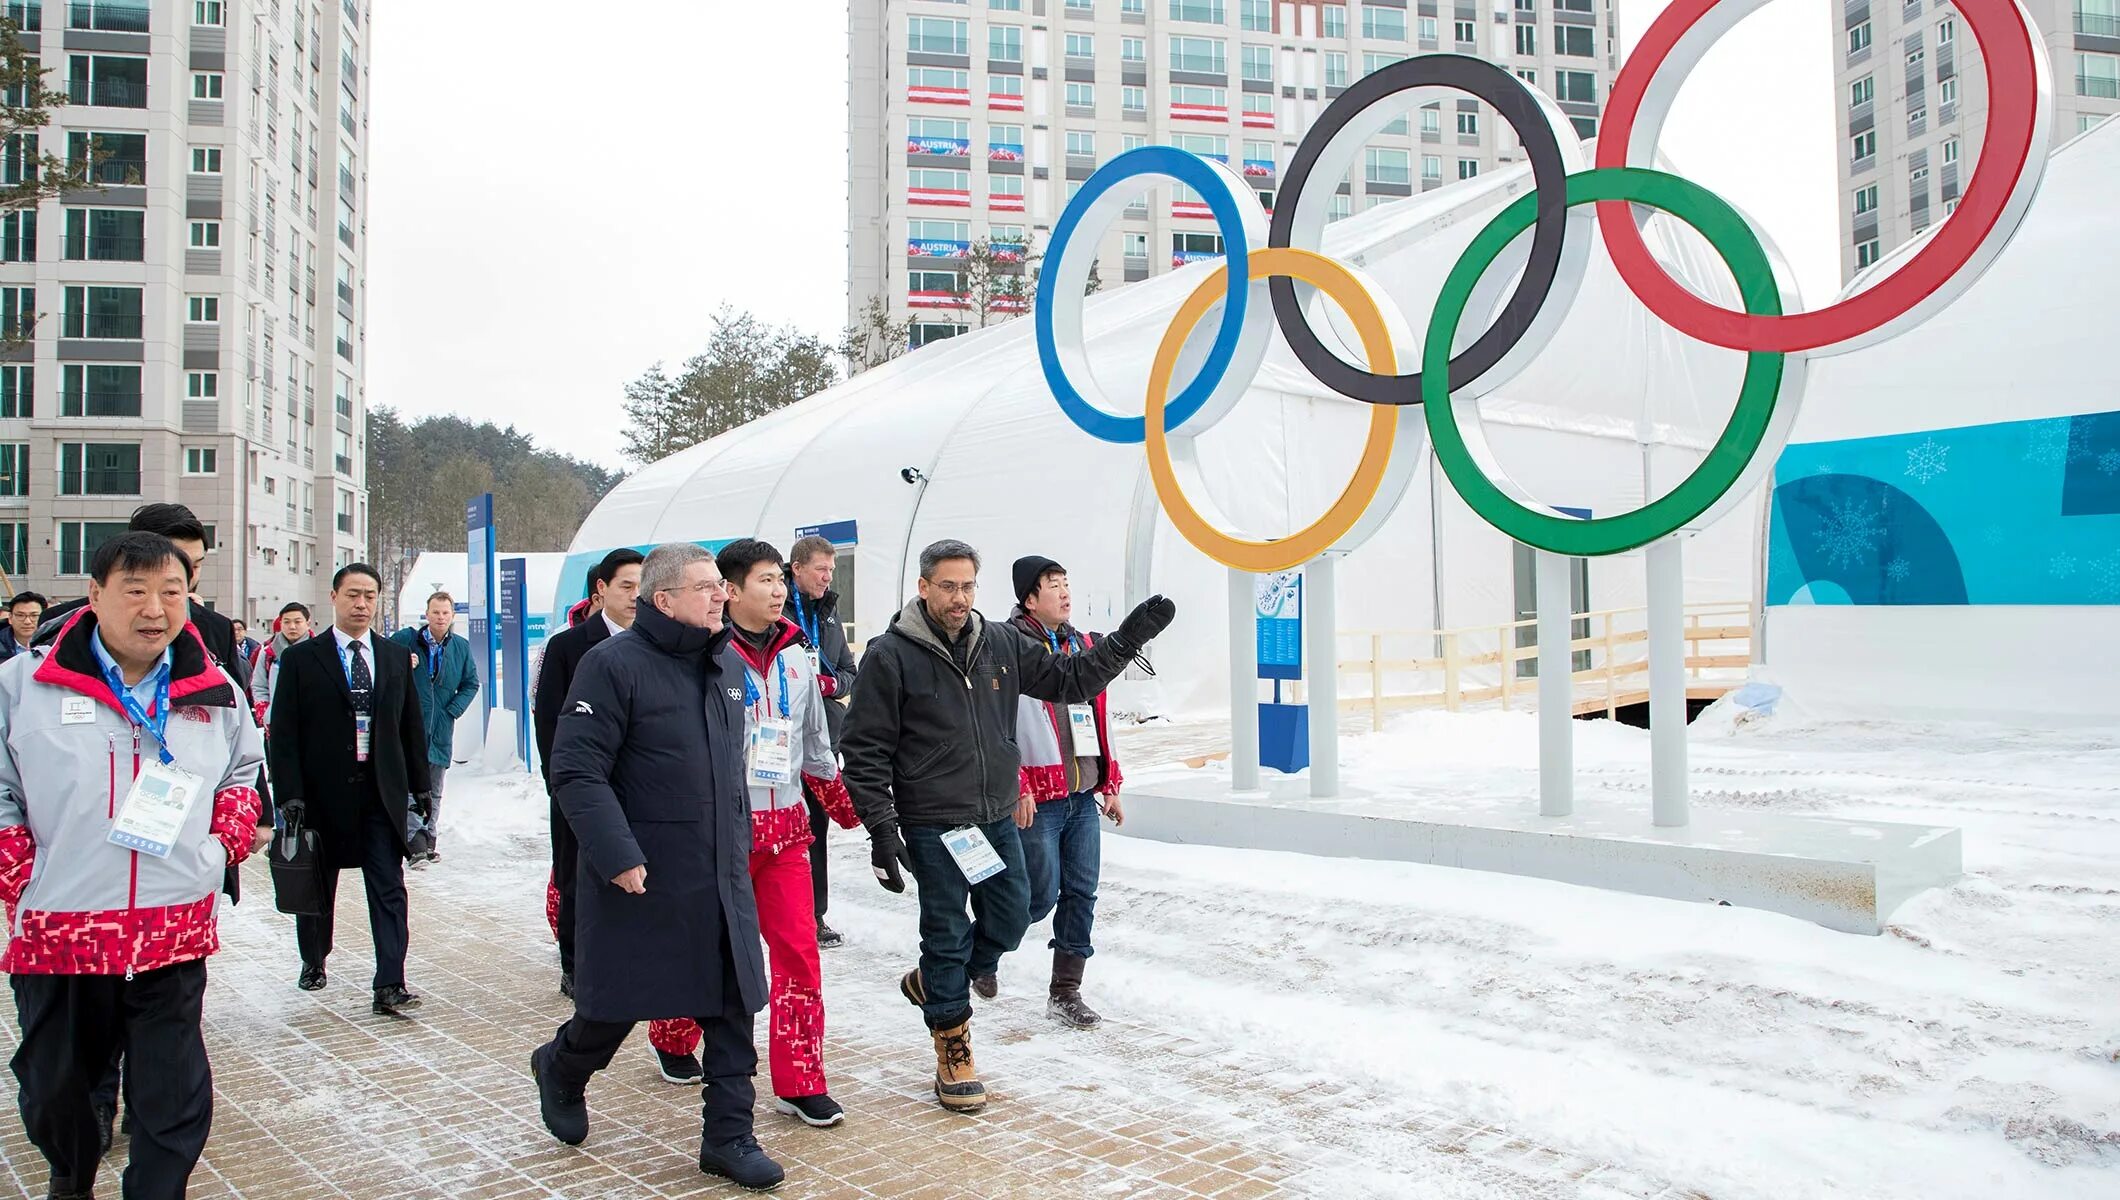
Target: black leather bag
<point x="297" y="871"/>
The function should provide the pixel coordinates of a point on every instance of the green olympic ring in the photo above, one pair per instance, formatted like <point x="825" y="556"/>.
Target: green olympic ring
<point x="1732" y="453"/>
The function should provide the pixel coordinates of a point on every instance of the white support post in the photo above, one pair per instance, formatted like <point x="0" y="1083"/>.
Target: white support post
<point x="1556" y="692"/>
<point x="1321" y="630"/>
<point x="1667" y="682"/>
<point x="1243" y="686"/>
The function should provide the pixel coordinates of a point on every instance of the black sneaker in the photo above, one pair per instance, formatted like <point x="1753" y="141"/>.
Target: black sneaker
<point x="819" y="1111"/>
<point x="680" y="1069"/>
<point x="394" y="1001"/>
<point x="828" y="938"/>
<point x="311" y="980"/>
<point x="988" y="986"/>
<point x="564" y="1109"/>
<point x="742" y="1163"/>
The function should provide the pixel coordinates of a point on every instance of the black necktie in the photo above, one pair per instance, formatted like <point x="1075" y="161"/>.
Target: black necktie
<point x="363" y="682"/>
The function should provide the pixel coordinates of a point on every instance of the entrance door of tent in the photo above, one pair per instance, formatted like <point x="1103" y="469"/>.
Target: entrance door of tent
<point x="844" y="536"/>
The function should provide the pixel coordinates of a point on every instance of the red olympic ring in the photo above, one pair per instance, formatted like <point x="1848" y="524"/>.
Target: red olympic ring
<point x="2006" y="44"/>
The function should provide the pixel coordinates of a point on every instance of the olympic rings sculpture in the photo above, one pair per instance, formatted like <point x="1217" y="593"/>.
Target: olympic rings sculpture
<point x="1272" y="274"/>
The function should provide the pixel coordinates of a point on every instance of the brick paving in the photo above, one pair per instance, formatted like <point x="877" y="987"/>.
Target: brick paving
<point x="316" y="1098"/>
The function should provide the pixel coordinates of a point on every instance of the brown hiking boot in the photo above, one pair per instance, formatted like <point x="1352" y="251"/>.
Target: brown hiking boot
<point x="957" y="1083"/>
<point x="1064" y="1000"/>
<point x="986" y="986"/>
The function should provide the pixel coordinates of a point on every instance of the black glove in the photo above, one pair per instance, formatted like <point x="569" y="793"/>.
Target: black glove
<point x="292" y="812"/>
<point x="1151" y="617"/>
<point x="887" y="854"/>
<point x="423" y="804"/>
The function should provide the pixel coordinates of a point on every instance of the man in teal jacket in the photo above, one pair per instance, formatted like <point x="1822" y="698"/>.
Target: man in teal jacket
<point x="447" y="682"/>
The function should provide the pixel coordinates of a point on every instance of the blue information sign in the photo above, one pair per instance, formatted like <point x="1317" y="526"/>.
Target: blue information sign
<point x="1280" y="612"/>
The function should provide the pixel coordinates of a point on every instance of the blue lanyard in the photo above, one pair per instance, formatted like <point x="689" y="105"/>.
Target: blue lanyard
<point x="750" y="689"/>
<point x="812" y="624"/>
<point x="157" y="724"/>
<point x="1053" y="639"/>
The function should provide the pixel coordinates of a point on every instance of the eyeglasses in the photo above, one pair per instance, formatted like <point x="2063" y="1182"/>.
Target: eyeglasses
<point x="955" y="589"/>
<point x="707" y="588"/>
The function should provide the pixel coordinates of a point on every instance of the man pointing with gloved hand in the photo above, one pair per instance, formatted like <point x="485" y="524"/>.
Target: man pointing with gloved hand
<point x="931" y="763"/>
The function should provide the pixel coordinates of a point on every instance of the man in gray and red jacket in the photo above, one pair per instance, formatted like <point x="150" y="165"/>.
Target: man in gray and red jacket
<point x="111" y="917"/>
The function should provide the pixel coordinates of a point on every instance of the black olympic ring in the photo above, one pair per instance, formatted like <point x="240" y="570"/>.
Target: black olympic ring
<point x="1517" y="105"/>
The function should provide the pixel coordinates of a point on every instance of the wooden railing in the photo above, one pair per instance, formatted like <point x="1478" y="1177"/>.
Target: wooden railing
<point x="1477" y="664"/>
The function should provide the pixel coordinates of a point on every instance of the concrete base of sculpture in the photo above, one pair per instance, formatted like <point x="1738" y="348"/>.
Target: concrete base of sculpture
<point x="1844" y="875"/>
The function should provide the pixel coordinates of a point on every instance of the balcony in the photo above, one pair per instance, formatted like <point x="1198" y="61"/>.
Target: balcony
<point x="104" y="248"/>
<point x="2098" y="24"/>
<point x="109" y="16"/>
<point x="99" y="404"/>
<point x="107" y="93"/>
<point x="28" y="15"/>
<point x="98" y="482"/>
<point x="117" y="326"/>
<point x="2103" y="87"/>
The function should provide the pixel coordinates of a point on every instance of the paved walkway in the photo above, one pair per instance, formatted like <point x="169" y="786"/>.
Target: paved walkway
<point x="317" y="1098"/>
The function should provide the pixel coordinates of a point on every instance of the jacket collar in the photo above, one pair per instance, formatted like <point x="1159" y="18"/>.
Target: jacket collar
<point x="821" y="608"/>
<point x="1037" y="631"/>
<point x="912" y="624"/>
<point x="780" y="637"/>
<point x="70" y="662"/>
<point x="673" y="637"/>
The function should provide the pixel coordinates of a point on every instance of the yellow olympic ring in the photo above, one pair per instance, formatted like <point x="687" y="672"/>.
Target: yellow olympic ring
<point x="1339" y="285"/>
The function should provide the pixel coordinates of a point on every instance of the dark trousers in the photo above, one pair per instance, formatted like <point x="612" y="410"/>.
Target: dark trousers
<point x="1062" y="856"/>
<point x="819" y="861"/>
<point x="70" y="1026"/>
<point x="954" y="947"/>
<point x="381" y="862"/>
<point x="584" y="1046"/>
<point x="566" y="852"/>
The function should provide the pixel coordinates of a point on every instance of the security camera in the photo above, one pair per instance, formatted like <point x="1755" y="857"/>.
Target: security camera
<point x="911" y="475"/>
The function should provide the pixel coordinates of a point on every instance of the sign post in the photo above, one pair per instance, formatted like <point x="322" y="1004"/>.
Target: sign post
<point x="515" y="649"/>
<point x="1284" y="729"/>
<point x="479" y="577"/>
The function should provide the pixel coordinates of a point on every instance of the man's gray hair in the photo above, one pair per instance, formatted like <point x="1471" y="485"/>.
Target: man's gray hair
<point x="664" y="568"/>
<point x="943" y="551"/>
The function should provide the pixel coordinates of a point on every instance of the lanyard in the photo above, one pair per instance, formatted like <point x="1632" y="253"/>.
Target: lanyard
<point x="1053" y="639"/>
<point x="750" y="689"/>
<point x="434" y="656"/>
<point x="157" y="724"/>
<point x="812" y="624"/>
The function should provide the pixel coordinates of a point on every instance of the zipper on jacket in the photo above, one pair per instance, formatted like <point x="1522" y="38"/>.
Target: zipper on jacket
<point x="971" y="704"/>
<point x="132" y="895"/>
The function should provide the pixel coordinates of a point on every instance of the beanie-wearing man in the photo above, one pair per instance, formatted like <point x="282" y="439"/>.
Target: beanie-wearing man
<point x="1070" y="773"/>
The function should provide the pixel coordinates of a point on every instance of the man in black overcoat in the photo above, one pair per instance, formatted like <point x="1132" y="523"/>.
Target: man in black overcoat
<point x="648" y="767"/>
<point x="348" y="751"/>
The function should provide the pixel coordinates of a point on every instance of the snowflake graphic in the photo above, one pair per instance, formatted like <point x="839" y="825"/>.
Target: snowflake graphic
<point x="2062" y="565"/>
<point x="1898" y="569"/>
<point x="1993" y="535"/>
<point x="2105" y="578"/>
<point x="2109" y="462"/>
<point x="1925" y="462"/>
<point x="2056" y="441"/>
<point x="1850" y="533"/>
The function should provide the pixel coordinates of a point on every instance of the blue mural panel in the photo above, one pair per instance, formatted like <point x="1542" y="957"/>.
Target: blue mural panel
<point x="2018" y="512"/>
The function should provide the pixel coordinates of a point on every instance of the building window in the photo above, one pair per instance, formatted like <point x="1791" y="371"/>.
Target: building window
<point x="1133" y="50"/>
<point x="1859" y="38"/>
<point x="1137" y="7"/>
<point x="1863" y="91"/>
<point x="1527" y="39"/>
<point x="206" y="160"/>
<point x="1198" y="97"/>
<point x="99" y="468"/>
<point x="1468" y="167"/>
<point x="936" y="35"/>
<point x="1865" y="199"/>
<point x="1381" y="165"/>
<point x="1915" y="59"/>
<point x="1005" y="5"/>
<point x="111" y="159"/>
<point x="1081" y="143"/>
<point x="1865" y="253"/>
<point x="202" y="385"/>
<point x="1950" y="145"/>
<point x="203" y="310"/>
<point x="1080" y="6"/>
<point x="206" y="235"/>
<point x="1468" y="124"/>
<point x="1206" y="145"/>
<point x="1425" y="29"/>
<point x="1372" y="62"/>
<point x="105" y="235"/>
<point x="1133" y="99"/>
<point x="1081" y="96"/>
<point x="1431" y="121"/>
<point x="1918" y="179"/>
<point x="1574" y="41"/>
<point x="1577" y="86"/>
<point x="18" y="236"/>
<point x="110" y="16"/>
<point x="106" y="80"/>
<point x="1335" y="69"/>
<point x="1585" y="127"/>
<point x="1004" y="43"/>
<point x="1255" y="15"/>
<point x="201" y="460"/>
<point x="99" y="390"/>
<point x="1204" y="55"/>
<point x="1865" y="144"/>
<point x="1384" y="24"/>
<point x="14" y="547"/>
<point x="18" y="390"/>
<point x="1948" y="90"/>
<point x="2098" y="75"/>
<point x="1210" y="11"/>
<point x="1431" y="168"/>
<point x="18" y="311"/>
<point x="101" y="312"/>
<point x="1464" y="31"/>
<point x="79" y="541"/>
<point x="14" y="469"/>
<point x="1081" y="45"/>
<point x="924" y="332"/>
<point x="206" y="85"/>
<point x="1258" y="63"/>
<point x="1335" y="20"/>
<point x="1136" y="245"/>
<point x="1947" y="29"/>
<point x="345" y="337"/>
<point x="208" y="12"/>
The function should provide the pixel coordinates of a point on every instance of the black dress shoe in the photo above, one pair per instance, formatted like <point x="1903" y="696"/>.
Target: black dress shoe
<point x="394" y="1001"/>
<point x="312" y="979"/>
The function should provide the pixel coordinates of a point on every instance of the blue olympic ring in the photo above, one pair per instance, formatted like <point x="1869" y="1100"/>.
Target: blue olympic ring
<point x="1222" y="200"/>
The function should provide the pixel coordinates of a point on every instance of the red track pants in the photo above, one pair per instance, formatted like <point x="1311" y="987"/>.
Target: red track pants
<point x="787" y="917"/>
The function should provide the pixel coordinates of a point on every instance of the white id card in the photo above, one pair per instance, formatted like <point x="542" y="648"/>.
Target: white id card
<point x="773" y="754"/>
<point x="152" y="817"/>
<point x="810" y="652"/>
<point x="362" y="736"/>
<point x="974" y="854"/>
<point x="1082" y="722"/>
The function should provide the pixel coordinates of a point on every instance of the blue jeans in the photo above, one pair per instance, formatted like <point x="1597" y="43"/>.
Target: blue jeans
<point x="953" y="946"/>
<point x="1062" y="856"/>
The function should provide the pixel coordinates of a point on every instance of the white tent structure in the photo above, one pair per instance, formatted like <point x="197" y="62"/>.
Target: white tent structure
<point x="1616" y="408"/>
<point x="446" y="571"/>
<point x="1945" y="538"/>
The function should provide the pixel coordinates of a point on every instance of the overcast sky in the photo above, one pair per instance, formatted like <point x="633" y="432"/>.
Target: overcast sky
<point x="556" y="204"/>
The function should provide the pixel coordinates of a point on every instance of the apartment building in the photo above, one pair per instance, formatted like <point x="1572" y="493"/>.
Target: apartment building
<point x="1913" y="102"/>
<point x="175" y="326"/>
<point x="978" y="120"/>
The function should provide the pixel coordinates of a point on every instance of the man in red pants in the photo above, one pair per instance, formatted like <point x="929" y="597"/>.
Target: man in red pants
<point x="789" y="745"/>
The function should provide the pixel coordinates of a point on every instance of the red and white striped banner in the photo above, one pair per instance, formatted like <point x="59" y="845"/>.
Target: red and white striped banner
<point x="1004" y="102"/>
<point x="1005" y="203"/>
<point x="1258" y="120"/>
<point x="938" y="95"/>
<point x="1199" y="112"/>
<point x="950" y="197"/>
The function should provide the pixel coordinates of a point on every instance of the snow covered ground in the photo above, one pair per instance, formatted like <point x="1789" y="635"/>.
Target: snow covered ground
<point x="1972" y="1051"/>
